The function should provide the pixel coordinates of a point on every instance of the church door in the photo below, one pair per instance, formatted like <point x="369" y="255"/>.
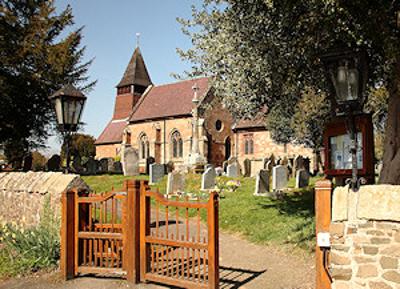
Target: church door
<point x="227" y="148"/>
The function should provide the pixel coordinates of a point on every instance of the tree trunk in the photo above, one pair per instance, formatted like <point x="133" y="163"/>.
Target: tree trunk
<point x="390" y="173"/>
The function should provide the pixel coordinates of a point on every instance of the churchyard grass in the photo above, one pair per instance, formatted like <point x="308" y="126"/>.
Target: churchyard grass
<point x="287" y="221"/>
<point x="104" y="183"/>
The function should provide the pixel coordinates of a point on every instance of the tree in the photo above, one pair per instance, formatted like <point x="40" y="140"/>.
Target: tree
<point x="35" y="61"/>
<point x="81" y="146"/>
<point x="38" y="161"/>
<point x="257" y="49"/>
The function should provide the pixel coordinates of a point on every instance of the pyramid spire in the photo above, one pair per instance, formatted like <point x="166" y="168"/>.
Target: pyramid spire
<point x="136" y="71"/>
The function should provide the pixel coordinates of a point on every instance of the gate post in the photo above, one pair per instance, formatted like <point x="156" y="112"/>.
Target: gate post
<point x="213" y="241"/>
<point x="323" y="190"/>
<point x="67" y="240"/>
<point x="144" y="229"/>
<point x="132" y="230"/>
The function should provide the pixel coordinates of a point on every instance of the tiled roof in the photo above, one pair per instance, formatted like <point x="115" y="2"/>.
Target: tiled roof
<point x="112" y="133"/>
<point x="257" y="122"/>
<point x="136" y="71"/>
<point x="169" y="100"/>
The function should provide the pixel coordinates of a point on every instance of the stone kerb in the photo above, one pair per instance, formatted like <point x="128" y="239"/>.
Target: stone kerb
<point x="365" y="237"/>
<point x="22" y="195"/>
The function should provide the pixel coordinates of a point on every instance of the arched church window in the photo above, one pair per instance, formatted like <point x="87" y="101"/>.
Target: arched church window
<point x="144" y="147"/>
<point x="248" y="144"/>
<point x="177" y="145"/>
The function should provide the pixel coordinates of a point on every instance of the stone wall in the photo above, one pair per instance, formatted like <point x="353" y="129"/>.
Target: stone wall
<point x="22" y="195"/>
<point x="365" y="238"/>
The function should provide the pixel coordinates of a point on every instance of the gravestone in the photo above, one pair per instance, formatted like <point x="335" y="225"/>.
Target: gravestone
<point x="306" y="163"/>
<point x="118" y="168"/>
<point x="272" y="159"/>
<point x="285" y="161"/>
<point x="219" y="171"/>
<point x="157" y="172"/>
<point x="207" y="166"/>
<point x="232" y="170"/>
<point x="170" y="167"/>
<point x="278" y="161"/>
<point x="232" y="160"/>
<point x="91" y="166"/>
<point x="279" y="178"/>
<point x="131" y="162"/>
<point x="27" y="163"/>
<point x="54" y="163"/>
<point x="302" y="178"/>
<point x="176" y="182"/>
<point x="103" y="164"/>
<point x="247" y="167"/>
<point x="224" y="165"/>
<point x="298" y="164"/>
<point x="149" y="161"/>
<point x="269" y="166"/>
<point x="262" y="183"/>
<point x="208" y="179"/>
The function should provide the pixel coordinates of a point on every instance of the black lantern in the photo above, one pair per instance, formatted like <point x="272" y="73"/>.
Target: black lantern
<point x="68" y="103"/>
<point x="347" y="76"/>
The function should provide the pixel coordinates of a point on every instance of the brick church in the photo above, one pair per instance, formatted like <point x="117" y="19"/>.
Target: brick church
<point x="173" y="122"/>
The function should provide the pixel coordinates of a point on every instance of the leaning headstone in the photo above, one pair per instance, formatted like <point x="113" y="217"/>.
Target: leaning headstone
<point x="91" y="166"/>
<point x="262" y="183"/>
<point x="272" y="159"/>
<point x="302" y="178"/>
<point x="298" y="164"/>
<point x="149" y="161"/>
<point x="131" y="162"/>
<point x="157" y="172"/>
<point x="208" y="179"/>
<point x="247" y="167"/>
<point x="269" y="166"/>
<point x="279" y="178"/>
<point x="175" y="183"/>
<point x="54" y="163"/>
<point x="27" y="163"/>
<point x="232" y="170"/>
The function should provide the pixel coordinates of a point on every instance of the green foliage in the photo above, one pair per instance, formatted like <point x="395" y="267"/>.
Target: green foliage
<point x="81" y="146"/>
<point x="37" y="57"/>
<point x="308" y="122"/>
<point x="265" y="53"/>
<point x="31" y="249"/>
<point x="38" y="161"/>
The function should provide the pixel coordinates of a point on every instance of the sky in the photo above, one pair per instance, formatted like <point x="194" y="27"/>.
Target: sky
<point x="110" y="28"/>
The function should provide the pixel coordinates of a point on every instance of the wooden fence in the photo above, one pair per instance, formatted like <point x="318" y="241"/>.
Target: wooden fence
<point x="140" y="235"/>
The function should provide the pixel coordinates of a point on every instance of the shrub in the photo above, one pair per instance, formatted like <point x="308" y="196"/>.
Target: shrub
<point x="23" y="250"/>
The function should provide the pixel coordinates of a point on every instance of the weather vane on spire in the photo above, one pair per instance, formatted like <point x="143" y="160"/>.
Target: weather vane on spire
<point x="137" y="39"/>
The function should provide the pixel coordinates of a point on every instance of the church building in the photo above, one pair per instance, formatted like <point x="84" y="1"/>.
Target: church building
<point x="181" y="122"/>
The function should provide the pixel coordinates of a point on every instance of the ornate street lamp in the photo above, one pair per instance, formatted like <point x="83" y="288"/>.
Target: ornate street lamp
<point x="68" y="103"/>
<point x="347" y="76"/>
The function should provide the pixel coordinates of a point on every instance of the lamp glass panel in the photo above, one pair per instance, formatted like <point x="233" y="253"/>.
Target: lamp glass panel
<point x="59" y="112"/>
<point x="342" y="83"/>
<point x="78" y="108"/>
<point x="353" y="84"/>
<point x="65" y="112"/>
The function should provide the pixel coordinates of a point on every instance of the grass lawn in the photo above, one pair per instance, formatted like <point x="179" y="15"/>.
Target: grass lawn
<point x="286" y="222"/>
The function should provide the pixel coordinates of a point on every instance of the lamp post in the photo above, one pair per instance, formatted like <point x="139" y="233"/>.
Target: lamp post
<point x="68" y="103"/>
<point x="347" y="76"/>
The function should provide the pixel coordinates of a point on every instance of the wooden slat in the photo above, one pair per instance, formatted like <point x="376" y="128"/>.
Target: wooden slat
<point x="175" y="243"/>
<point x="99" y="235"/>
<point x="166" y="202"/>
<point x="101" y="271"/>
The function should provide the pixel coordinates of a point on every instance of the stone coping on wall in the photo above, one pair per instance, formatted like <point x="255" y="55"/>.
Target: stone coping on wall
<point x="371" y="202"/>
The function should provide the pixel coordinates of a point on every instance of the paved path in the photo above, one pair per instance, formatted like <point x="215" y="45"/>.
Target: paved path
<point x="243" y="265"/>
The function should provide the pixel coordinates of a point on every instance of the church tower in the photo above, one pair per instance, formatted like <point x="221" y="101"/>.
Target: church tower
<point x="133" y="84"/>
<point x="130" y="89"/>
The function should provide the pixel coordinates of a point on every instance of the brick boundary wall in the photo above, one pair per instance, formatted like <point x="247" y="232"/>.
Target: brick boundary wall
<point x="365" y="238"/>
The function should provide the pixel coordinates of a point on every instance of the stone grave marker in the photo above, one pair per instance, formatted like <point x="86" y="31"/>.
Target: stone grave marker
<point x="269" y="166"/>
<point x="232" y="160"/>
<point x="219" y="171"/>
<point x="306" y="163"/>
<point x="207" y="166"/>
<point x="54" y="163"/>
<point x="91" y="166"/>
<point x="262" y="183"/>
<point x="224" y="165"/>
<point x="149" y="161"/>
<point x="247" y="167"/>
<point x="302" y="178"/>
<point x="131" y="162"/>
<point x="279" y="178"/>
<point x="232" y="170"/>
<point x="117" y="168"/>
<point x="176" y="182"/>
<point x="298" y="164"/>
<point x="27" y="163"/>
<point x="208" y="179"/>
<point x="157" y="172"/>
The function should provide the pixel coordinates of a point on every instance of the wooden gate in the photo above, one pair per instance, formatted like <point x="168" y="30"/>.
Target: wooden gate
<point x="175" y="248"/>
<point x="98" y="233"/>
